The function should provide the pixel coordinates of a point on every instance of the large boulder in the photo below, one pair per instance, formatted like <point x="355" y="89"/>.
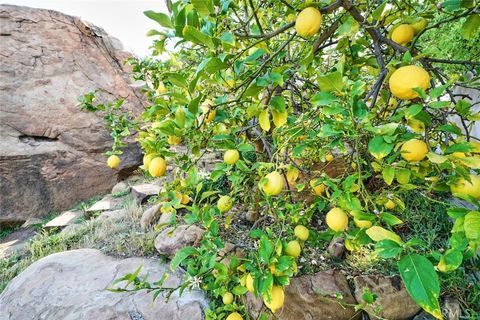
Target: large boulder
<point x="53" y="153"/>
<point x="72" y="285"/>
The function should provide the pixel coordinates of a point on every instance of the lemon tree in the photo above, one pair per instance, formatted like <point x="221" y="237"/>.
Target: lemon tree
<point x="327" y="111"/>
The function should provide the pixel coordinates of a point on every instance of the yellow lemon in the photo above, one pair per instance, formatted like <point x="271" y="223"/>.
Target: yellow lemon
<point x="390" y="204"/>
<point x="277" y="299"/>
<point x="234" y="316"/>
<point x="249" y="283"/>
<point x="231" y="156"/>
<point x="414" y="150"/>
<point x="362" y="223"/>
<point x="308" y="22"/>
<point x="337" y="219"/>
<point x="146" y="159"/>
<point x="301" y="232"/>
<point x="210" y="116"/>
<point x="224" y="204"/>
<point x="293" y="249"/>
<point x="292" y="174"/>
<point x="173" y="140"/>
<point x="404" y="79"/>
<point x="318" y="189"/>
<point x="419" y="25"/>
<point x="279" y="118"/>
<point x="227" y="298"/>
<point x="274" y="184"/>
<point x="464" y="186"/>
<point x="161" y="88"/>
<point x="264" y="120"/>
<point x="157" y="167"/>
<point x="113" y="161"/>
<point x="403" y="34"/>
<point x="329" y="157"/>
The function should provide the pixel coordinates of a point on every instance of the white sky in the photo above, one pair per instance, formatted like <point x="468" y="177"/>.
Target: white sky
<point x="123" y="19"/>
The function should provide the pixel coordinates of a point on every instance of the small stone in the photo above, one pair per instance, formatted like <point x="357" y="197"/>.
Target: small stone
<point x="144" y="191"/>
<point x="393" y="300"/>
<point x="336" y="248"/>
<point x="451" y="309"/>
<point x="120" y="187"/>
<point x="170" y="240"/>
<point x="114" y="214"/>
<point x="251" y="216"/>
<point x="165" y="219"/>
<point x="32" y="222"/>
<point x="150" y="216"/>
<point x="69" y="230"/>
<point x="324" y="295"/>
<point x="108" y="203"/>
<point x="15" y="241"/>
<point x="63" y="220"/>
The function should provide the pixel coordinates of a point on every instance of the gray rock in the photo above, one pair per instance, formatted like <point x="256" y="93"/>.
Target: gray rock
<point x="108" y="203"/>
<point x="150" y="216"/>
<point x="170" y="240"/>
<point x="72" y="285"/>
<point x="120" y="187"/>
<point x="143" y="191"/>
<point x="51" y="148"/>
<point x="393" y="300"/>
<point x="16" y="241"/>
<point x="324" y="295"/>
<point x="114" y="214"/>
<point x="65" y="219"/>
<point x="336" y="248"/>
<point x="165" y="219"/>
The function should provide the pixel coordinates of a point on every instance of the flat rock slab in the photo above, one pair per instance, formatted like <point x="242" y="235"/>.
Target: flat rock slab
<point x="393" y="300"/>
<point x="65" y="219"/>
<point x="313" y="297"/>
<point x="72" y="285"/>
<point x="141" y="192"/>
<point x="15" y="241"/>
<point x="108" y="203"/>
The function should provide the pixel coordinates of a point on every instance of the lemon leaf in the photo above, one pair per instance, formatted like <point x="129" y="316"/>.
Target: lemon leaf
<point x="377" y="233"/>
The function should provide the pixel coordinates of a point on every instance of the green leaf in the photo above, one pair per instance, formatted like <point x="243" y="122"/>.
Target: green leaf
<point x="472" y="225"/>
<point x="387" y="249"/>
<point x="379" y="148"/>
<point x="390" y="219"/>
<point x="204" y="7"/>
<point x="176" y="79"/>
<point x="470" y="26"/>
<point x="159" y="17"/>
<point x="378" y="12"/>
<point x="403" y="176"/>
<point x="192" y="34"/>
<point x="278" y="103"/>
<point x="388" y="173"/>
<point x="331" y="82"/>
<point x="421" y="282"/>
<point x="239" y="290"/>
<point x="377" y="233"/>
<point x="265" y="249"/>
<point x="451" y="260"/>
<point x="181" y="255"/>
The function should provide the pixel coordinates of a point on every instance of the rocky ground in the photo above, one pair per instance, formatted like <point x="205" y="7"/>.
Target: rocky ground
<point x="124" y="230"/>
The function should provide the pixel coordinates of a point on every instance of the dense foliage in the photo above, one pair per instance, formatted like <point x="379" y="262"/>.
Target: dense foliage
<point x="316" y="130"/>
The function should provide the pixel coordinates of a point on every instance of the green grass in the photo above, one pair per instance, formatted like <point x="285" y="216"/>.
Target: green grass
<point x="120" y="236"/>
